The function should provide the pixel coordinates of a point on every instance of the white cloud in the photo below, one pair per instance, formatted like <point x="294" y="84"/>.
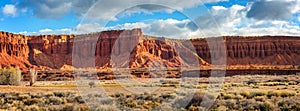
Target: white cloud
<point x="9" y="9"/>
<point x="170" y="28"/>
<point x="221" y="21"/>
<point x="47" y="9"/>
<point x="45" y="30"/>
<point x="296" y="8"/>
<point x="87" y="28"/>
<point x="48" y="31"/>
<point x="108" y="9"/>
<point x="102" y="9"/>
<point x="161" y="28"/>
<point x="23" y="33"/>
<point x="218" y="8"/>
<point x="273" y="9"/>
<point x="130" y="26"/>
<point x="234" y="21"/>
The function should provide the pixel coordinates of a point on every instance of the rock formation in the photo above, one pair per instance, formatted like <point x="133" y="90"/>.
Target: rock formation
<point x="52" y="51"/>
<point x="265" y="50"/>
<point x="130" y="48"/>
<point x="13" y="50"/>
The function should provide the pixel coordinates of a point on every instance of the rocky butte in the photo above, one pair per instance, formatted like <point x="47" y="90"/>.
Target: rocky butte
<point x="136" y="50"/>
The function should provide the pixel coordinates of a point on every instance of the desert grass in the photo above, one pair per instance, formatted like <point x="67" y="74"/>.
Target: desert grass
<point x="258" y="92"/>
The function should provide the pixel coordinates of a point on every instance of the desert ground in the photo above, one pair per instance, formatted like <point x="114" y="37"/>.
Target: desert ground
<point x="247" y="92"/>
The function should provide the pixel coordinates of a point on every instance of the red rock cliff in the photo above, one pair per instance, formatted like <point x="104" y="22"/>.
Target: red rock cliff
<point x="13" y="50"/>
<point x="50" y="50"/>
<point x="266" y="50"/>
<point x="55" y="51"/>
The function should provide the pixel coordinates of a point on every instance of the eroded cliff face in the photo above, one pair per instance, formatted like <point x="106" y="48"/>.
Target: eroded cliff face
<point x="85" y="50"/>
<point x="130" y="48"/>
<point x="52" y="51"/>
<point x="161" y="52"/>
<point x="266" y="50"/>
<point x="13" y="50"/>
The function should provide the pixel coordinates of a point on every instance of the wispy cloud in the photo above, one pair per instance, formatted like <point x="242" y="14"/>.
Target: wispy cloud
<point x="104" y="9"/>
<point x="9" y="9"/>
<point x="49" y="31"/>
<point x="47" y="9"/>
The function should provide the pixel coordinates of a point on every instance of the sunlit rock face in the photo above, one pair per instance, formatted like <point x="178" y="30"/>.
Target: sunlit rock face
<point x="14" y="50"/>
<point x="266" y="50"/>
<point x="136" y="50"/>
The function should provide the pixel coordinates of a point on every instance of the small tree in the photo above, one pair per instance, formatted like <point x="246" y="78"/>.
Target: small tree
<point x="92" y="84"/>
<point x="16" y="77"/>
<point x="33" y="76"/>
<point x="10" y="76"/>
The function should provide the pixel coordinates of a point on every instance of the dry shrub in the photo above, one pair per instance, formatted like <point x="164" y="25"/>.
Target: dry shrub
<point x="195" y="101"/>
<point x="10" y="76"/>
<point x="246" y="94"/>
<point x="280" y="94"/>
<point x="55" y="100"/>
<point x="32" y="101"/>
<point x="228" y="96"/>
<point x="163" y="107"/>
<point x="196" y="108"/>
<point x="266" y="106"/>
<point x="260" y="98"/>
<point x="181" y="103"/>
<point x="32" y="108"/>
<point x="258" y="93"/>
<point x="107" y="108"/>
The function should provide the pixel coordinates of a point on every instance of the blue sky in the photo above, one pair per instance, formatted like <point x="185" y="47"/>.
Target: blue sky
<point x="177" y="18"/>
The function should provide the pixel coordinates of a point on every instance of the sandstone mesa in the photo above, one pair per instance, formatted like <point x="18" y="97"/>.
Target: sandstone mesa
<point x="55" y="51"/>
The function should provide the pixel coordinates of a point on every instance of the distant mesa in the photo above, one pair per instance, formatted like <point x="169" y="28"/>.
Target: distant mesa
<point x="55" y="51"/>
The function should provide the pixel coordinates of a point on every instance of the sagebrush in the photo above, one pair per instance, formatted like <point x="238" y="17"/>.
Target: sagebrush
<point x="10" y="76"/>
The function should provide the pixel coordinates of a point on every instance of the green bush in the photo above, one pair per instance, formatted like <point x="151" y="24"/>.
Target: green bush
<point x="10" y="76"/>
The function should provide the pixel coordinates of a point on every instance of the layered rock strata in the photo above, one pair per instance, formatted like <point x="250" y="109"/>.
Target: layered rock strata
<point x="130" y="48"/>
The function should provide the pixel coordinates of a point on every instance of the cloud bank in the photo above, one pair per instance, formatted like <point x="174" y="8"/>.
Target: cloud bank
<point x="258" y="17"/>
